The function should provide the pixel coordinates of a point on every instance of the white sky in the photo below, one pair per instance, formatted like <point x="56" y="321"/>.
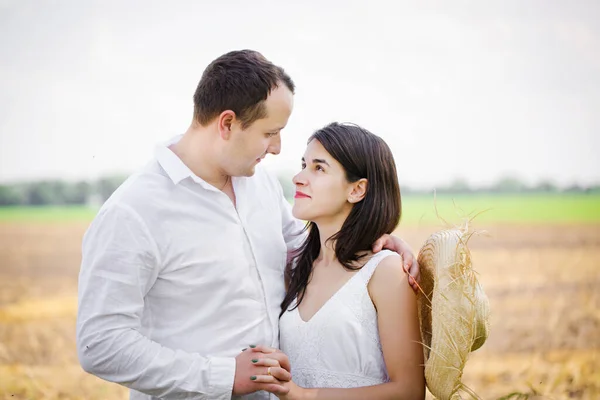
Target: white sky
<point x="463" y="89"/>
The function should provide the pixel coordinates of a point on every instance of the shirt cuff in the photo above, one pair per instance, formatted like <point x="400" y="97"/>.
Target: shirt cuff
<point x="222" y="375"/>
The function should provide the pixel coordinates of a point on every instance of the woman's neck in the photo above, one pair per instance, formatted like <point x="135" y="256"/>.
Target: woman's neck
<point x="326" y="230"/>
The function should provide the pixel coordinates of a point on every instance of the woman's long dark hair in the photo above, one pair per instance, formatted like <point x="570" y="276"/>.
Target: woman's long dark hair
<point x="362" y="155"/>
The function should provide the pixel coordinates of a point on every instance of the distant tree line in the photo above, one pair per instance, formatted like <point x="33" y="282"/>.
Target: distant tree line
<point x="460" y="186"/>
<point x="507" y="185"/>
<point x="59" y="192"/>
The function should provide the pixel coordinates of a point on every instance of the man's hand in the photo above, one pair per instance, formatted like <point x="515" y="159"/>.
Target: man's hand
<point x="266" y="353"/>
<point x="410" y="264"/>
<point x="257" y="361"/>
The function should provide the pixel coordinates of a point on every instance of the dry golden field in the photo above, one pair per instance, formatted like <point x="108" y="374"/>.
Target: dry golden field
<point x="543" y="282"/>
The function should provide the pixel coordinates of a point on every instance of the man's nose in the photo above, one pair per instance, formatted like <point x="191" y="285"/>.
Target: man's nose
<point x="275" y="146"/>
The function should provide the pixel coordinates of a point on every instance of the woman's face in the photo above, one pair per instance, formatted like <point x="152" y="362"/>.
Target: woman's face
<point x="322" y="191"/>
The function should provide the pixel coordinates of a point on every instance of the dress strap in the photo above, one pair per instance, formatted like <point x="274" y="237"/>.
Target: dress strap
<point x="369" y="268"/>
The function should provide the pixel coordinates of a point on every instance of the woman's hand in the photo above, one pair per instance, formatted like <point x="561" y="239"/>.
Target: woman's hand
<point x="295" y="392"/>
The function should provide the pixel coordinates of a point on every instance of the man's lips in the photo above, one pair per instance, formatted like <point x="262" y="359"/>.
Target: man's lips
<point x="300" y="195"/>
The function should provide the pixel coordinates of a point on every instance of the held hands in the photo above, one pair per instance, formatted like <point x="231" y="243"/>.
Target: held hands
<point x="278" y="379"/>
<point x="261" y="368"/>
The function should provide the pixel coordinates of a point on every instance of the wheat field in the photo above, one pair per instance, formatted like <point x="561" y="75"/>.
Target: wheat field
<point x="543" y="282"/>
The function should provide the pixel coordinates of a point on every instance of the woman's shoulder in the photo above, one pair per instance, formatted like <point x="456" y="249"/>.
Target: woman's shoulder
<point x="389" y="262"/>
<point x="389" y="274"/>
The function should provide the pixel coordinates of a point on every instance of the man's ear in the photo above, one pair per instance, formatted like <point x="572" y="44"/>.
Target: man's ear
<point x="225" y="122"/>
<point x="359" y="191"/>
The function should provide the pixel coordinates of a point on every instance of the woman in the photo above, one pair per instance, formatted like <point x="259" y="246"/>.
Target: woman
<point x="349" y="323"/>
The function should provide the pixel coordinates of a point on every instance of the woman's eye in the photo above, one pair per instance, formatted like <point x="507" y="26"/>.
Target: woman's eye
<point x="319" y="168"/>
<point x="303" y="165"/>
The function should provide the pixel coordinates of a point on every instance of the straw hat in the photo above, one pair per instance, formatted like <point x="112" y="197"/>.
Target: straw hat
<point x="453" y="310"/>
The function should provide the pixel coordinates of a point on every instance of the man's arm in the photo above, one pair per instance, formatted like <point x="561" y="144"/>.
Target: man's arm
<point x="119" y="266"/>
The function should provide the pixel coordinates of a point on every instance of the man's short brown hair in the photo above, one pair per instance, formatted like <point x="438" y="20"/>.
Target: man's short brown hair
<point x="239" y="81"/>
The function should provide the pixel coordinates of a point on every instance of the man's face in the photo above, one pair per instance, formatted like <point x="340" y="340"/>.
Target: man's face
<point x="247" y="147"/>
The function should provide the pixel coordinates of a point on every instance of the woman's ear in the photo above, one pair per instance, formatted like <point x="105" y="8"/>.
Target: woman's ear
<point x="359" y="191"/>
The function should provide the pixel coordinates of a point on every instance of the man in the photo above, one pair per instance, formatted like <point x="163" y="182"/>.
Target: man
<point x="183" y="265"/>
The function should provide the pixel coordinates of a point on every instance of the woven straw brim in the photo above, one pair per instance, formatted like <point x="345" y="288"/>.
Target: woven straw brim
<point x="453" y="311"/>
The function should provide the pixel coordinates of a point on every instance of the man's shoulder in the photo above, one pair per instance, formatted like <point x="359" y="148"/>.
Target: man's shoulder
<point x="140" y="189"/>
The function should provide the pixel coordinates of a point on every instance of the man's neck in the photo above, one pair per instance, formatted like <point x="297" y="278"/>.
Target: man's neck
<point x="196" y="149"/>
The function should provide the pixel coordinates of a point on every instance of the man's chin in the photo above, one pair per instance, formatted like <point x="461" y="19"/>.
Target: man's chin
<point x="250" y="171"/>
<point x="244" y="173"/>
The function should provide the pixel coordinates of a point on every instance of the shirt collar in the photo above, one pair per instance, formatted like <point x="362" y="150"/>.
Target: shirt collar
<point x="174" y="167"/>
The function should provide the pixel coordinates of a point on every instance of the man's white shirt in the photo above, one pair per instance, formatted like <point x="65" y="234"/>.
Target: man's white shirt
<point x="175" y="280"/>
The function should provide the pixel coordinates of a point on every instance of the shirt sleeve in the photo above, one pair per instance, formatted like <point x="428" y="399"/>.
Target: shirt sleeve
<point x="120" y="263"/>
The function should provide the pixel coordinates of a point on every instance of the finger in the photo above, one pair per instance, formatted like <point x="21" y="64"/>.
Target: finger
<point x="413" y="281"/>
<point x="378" y="245"/>
<point x="409" y="263"/>
<point x="406" y="269"/>
<point x="279" y="373"/>
<point x="415" y="272"/>
<point x="274" y="388"/>
<point x="411" y="274"/>
<point x="265" y="361"/>
<point x="263" y="349"/>
<point x="413" y="266"/>
<point x="282" y="358"/>
<point x="270" y="384"/>
<point x="414" y="287"/>
<point x="414" y="269"/>
<point x="265" y="379"/>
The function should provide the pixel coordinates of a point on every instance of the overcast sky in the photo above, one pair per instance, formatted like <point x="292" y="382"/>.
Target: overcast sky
<point x="459" y="89"/>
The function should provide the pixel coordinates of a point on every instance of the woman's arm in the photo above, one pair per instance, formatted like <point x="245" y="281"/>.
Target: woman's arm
<point x="400" y="336"/>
